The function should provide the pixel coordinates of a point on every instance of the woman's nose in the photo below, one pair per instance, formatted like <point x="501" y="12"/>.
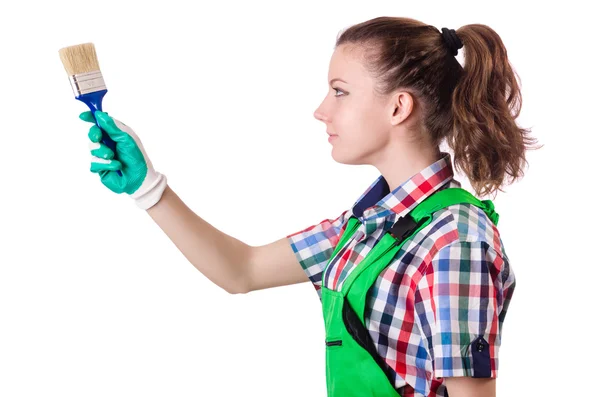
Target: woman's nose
<point x="319" y="115"/>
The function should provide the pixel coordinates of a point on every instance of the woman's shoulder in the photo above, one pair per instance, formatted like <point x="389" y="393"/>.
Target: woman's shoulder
<point x="459" y="230"/>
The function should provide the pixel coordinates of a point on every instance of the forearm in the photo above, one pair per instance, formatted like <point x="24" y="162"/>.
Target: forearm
<point x="218" y="256"/>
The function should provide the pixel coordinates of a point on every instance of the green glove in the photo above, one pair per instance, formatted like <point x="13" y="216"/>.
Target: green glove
<point x="139" y="179"/>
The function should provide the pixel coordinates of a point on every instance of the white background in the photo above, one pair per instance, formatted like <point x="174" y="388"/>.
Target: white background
<point x="96" y="301"/>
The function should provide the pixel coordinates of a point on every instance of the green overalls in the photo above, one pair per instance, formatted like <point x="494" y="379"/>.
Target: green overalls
<point x="354" y="368"/>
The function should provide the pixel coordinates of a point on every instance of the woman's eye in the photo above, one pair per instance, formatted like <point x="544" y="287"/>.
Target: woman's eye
<point x="338" y="90"/>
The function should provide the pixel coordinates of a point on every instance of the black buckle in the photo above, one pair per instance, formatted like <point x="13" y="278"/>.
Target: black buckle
<point x="403" y="228"/>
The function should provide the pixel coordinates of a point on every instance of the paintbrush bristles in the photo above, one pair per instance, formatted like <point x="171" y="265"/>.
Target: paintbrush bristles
<point x="79" y="59"/>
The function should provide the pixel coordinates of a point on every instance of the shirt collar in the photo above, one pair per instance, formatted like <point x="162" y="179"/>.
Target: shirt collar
<point x="377" y="201"/>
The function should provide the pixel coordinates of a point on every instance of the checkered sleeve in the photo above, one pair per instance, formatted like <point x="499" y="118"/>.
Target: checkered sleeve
<point x="466" y="287"/>
<point x="314" y="245"/>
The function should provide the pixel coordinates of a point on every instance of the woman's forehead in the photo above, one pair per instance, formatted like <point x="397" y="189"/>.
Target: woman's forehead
<point x="346" y="64"/>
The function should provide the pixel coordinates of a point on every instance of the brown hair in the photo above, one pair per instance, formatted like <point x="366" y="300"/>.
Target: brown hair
<point x="479" y="102"/>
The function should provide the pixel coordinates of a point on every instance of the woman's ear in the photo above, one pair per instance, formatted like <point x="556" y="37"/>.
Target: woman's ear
<point x="402" y="106"/>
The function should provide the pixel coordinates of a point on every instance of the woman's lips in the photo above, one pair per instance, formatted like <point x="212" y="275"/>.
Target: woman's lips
<point x="332" y="137"/>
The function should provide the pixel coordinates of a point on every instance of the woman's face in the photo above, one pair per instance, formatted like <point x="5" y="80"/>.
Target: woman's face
<point x="351" y="110"/>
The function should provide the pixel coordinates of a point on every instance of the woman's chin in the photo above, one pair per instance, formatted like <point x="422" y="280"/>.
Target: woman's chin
<point x="345" y="158"/>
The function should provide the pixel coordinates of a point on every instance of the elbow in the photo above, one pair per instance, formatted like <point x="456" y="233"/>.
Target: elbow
<point x="234" y="291"/>
<point x="241" y="283"/>
<point x="237" y="288"/>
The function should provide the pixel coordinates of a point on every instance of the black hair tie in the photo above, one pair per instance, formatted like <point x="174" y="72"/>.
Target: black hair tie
<point x="452" y="40"/>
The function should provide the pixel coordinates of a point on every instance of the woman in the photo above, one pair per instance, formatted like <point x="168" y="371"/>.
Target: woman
<point x="430" y="319"/>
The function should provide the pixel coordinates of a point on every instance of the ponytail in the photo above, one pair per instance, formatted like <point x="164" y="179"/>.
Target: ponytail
<point x="488" y="144"/>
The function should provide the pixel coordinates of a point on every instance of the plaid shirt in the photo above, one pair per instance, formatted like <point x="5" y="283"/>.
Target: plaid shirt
<point x="448" y="287"/>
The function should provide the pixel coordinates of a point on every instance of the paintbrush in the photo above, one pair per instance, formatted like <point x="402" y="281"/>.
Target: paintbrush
<point x="81" y="63"/>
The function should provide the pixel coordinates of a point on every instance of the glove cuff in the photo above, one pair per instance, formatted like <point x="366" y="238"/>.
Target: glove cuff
<point x="153" y="193"/>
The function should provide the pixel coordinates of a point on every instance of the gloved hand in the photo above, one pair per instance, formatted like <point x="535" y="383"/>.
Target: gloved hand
<point x="139" y="179"/>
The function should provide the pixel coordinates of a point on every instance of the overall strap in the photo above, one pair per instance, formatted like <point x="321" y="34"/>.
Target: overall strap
<point x="447" y="197"/>
<point x="360" y="280"/>
<point x="351" y="226"/>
